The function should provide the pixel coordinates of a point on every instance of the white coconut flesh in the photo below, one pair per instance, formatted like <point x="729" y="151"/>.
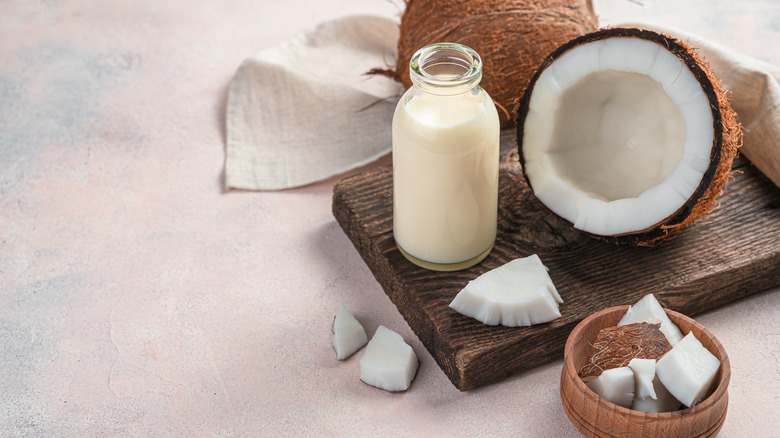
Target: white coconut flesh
<point x="518" y="293"/>
<point x="615" y="385"/>
<point x="663" y="402"/>
<point x="647" y="394"/>
<point x="617" y="136"/>
<point x="388" y="363"/>
<point x="348" y="334"/>
<point x="688" y="370"/>
<point x="644" y="373"/>
<point x="648" y="309"/>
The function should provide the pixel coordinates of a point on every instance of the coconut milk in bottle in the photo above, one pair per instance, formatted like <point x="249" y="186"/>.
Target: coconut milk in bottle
<point x="445" y="161"/>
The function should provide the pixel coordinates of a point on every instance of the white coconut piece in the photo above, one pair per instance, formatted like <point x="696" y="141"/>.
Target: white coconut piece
<point x="664" y="401"/>
<point x="388" y="363"/>
<point x="644" y="373"/>
<point x="615" y="385"/>
<point x="688" y="370"/>
<point x="348" y="334"/>
<point x="648" y="309"/>
<point x="518" y="293"/>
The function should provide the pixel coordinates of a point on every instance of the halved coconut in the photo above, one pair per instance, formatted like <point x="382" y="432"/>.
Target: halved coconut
<point x="627" y="135"/>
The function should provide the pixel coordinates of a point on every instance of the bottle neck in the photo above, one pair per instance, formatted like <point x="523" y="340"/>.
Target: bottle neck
<point x="445" y="69"/>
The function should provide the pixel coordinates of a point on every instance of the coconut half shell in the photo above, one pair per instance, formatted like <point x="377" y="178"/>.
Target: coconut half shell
<point x="627" y="135"/>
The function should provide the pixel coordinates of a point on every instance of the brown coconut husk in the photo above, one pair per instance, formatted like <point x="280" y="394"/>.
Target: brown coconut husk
<point x="614" y="347"/>
<point x="511" y="36"/>
<point x="726" y="140"/>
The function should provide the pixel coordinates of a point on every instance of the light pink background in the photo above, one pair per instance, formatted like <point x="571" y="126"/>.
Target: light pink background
<point x="138" y="298"/>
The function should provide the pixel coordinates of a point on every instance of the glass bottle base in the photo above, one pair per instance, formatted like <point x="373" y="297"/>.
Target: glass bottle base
<point x="448" y="267"/>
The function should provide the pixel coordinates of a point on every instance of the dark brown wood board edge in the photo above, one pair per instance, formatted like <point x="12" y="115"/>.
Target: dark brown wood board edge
<point x="370" y="229"/>
<point x="478" y="369"/>
<point x="381" y="268"/>
<point x="723" y="288"/>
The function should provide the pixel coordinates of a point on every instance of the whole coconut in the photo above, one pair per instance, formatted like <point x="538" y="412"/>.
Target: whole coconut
<point x="511" y="36"/>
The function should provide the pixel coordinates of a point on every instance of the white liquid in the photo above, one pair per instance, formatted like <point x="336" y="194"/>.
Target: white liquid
<point x="445" y="175"/>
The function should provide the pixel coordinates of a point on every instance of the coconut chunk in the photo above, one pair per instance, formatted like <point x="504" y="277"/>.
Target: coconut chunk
<point x="388" y="363"/>
<point x="518" y="293"/>
<point x="348" y="334"/>
<point x="615" y="385"/>
<point x="664" y="401"/>
<point x="644" y="373"/>
<point x="688" y="370"/>
<point x="648" y="309"/>
<point x="650" y="395"/>
<point x="616" y="347"/>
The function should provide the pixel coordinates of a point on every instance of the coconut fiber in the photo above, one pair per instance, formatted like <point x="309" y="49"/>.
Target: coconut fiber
<point x="511" y="36"/>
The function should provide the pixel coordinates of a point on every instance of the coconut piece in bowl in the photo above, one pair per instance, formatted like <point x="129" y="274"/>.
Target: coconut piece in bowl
<point x="688" y="370"/>
<point x="615" y="347"/>
<point x="648" y="309"/>
<point x="663" y="402"/>
<point x="650" y="394"/>
<point x="615" y="385"/>
<point x="644" y="373"/>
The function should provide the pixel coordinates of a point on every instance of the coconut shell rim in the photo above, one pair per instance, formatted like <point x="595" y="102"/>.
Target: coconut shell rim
<point x="677" y="220"/>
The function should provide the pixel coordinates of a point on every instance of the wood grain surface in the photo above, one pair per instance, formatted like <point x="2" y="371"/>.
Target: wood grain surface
<point x="728" y="255"/>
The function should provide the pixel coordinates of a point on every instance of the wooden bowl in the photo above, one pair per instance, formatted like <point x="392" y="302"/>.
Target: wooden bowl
<point x="596" y="417"/>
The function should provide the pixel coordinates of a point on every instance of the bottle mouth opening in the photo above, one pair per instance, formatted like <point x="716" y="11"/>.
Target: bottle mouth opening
<point x="446" y="68"/>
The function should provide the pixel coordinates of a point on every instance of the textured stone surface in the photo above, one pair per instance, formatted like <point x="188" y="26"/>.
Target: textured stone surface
<point x="139" y="299"/>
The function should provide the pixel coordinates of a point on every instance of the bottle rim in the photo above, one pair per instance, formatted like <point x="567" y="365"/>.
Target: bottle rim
<point x="446" y="68"/>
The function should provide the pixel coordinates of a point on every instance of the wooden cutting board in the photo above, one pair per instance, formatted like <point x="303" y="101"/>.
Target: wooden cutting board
<point x="731" y="254"/>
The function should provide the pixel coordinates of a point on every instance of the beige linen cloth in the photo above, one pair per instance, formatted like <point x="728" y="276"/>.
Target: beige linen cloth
<point x="305" y="110"/>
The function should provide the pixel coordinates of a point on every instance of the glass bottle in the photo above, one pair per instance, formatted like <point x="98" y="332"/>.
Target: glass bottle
<point x="445" y="161"/>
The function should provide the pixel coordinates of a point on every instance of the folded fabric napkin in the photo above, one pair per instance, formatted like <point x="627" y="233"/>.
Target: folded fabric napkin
<point x="755" y="96"/>
<point x="305" y="110"/>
